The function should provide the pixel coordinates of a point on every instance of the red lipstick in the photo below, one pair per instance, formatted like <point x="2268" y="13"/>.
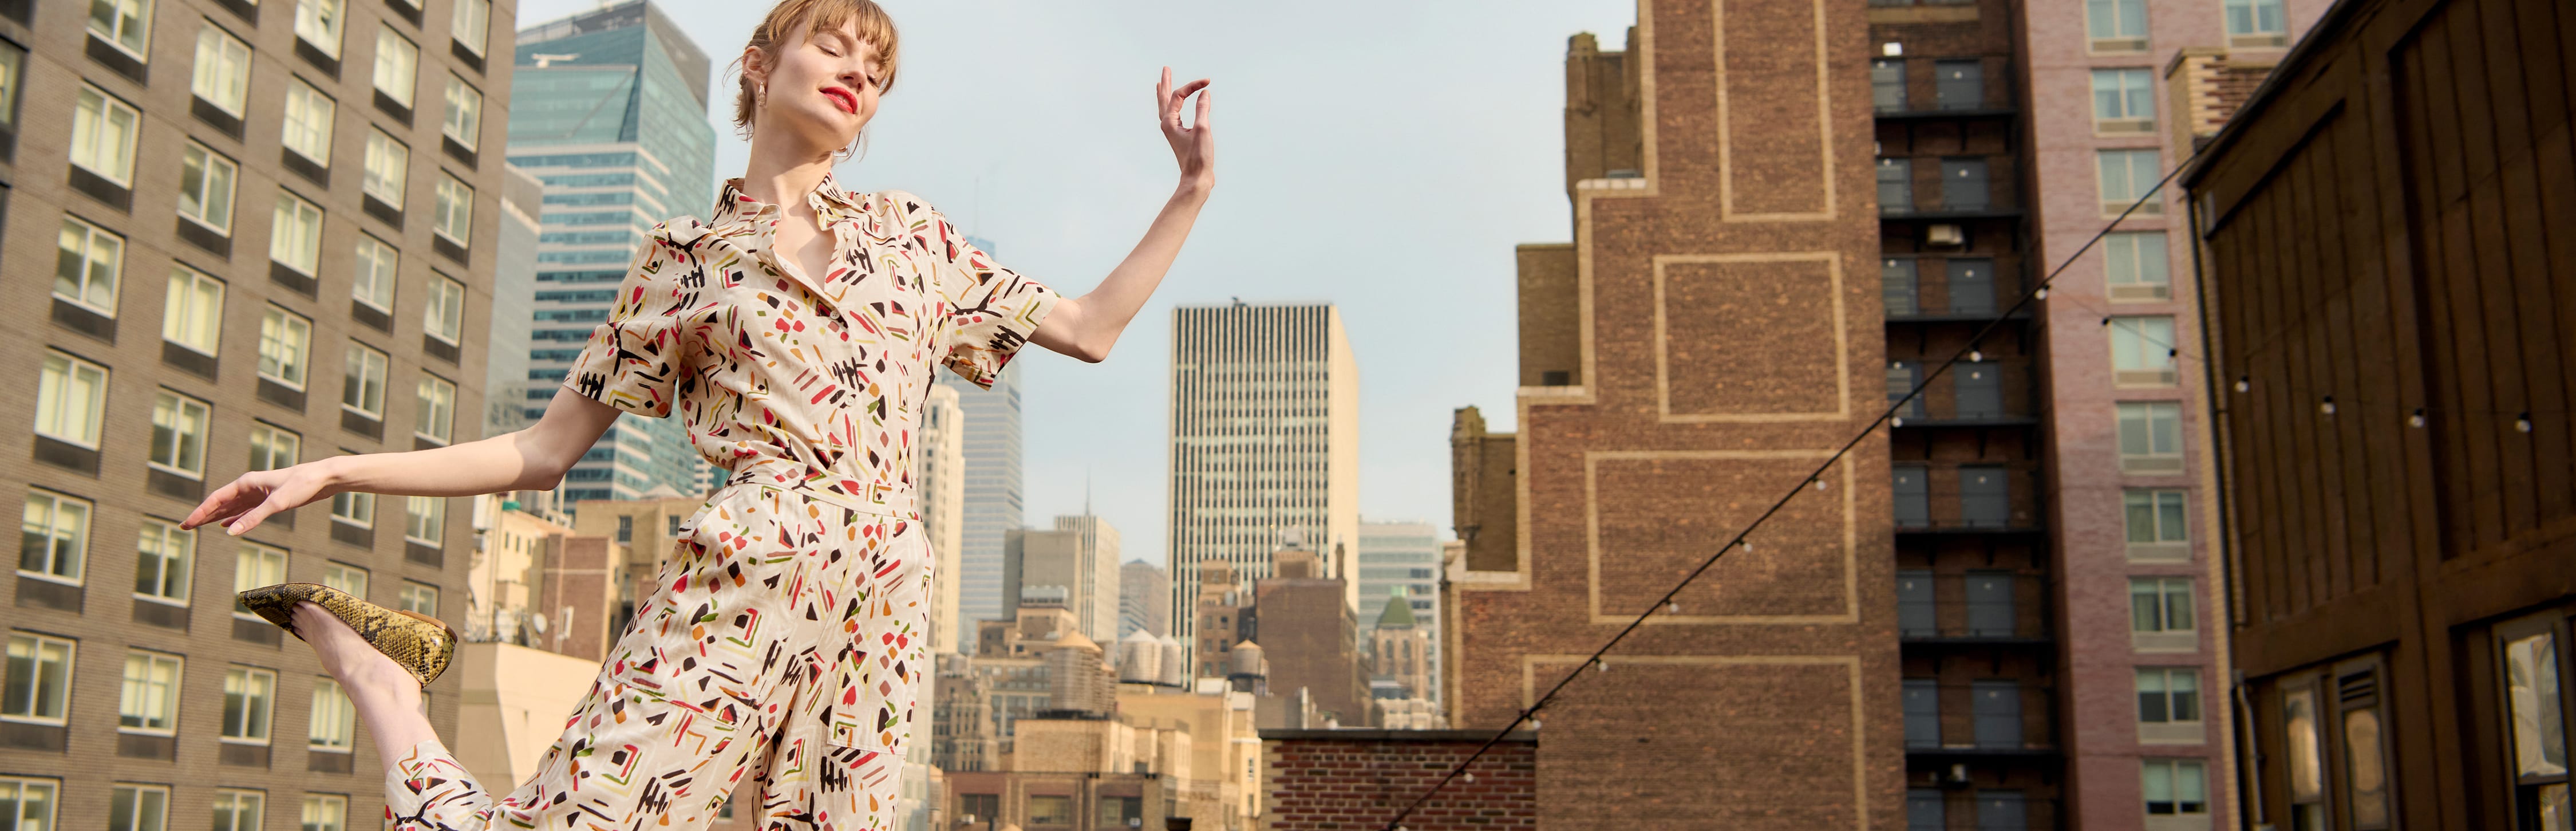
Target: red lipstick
<point x="848" y="101"/>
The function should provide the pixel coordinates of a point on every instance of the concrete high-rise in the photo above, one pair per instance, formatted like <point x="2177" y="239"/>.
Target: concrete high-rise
<point x="1144" y="599"/>
<point x="238" y="238"/>
<point x="1399" y="562"/>
<point x="1265" y="443"/>
<point x="993" y="487"/>
<point x="1074" y="566"/>
<point x="941" y="450"/>
<point x="614" y="123"/>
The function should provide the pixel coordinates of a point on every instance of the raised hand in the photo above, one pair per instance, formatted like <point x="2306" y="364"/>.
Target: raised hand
<point x="255" y="496"/>
<point x="1194" y="146"/>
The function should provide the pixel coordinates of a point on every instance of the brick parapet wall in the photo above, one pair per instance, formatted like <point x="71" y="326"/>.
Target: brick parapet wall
<point x="1354" y="780"/>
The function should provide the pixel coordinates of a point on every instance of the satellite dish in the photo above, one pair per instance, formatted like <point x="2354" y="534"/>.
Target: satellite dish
<point x="539" y="621"/>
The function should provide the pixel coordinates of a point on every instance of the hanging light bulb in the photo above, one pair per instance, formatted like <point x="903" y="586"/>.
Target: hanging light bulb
<point x="1898" y="421"/>
<point x="1470" y="777"/>
<point x="2416" y="420"/>
<point x="1673" y="607"/>
<point x="1748" y="545"/>
<point x="1533" y="722"/>
<point x="1820" y="483"/>
<point x="2041" y="294"/>
<point x="2244" y="382"/>
<point x="2522" y="422"/>
<point x="1600" y="665"/>
<point x="2327" y="407"/>
<point x="1976" y="356"/>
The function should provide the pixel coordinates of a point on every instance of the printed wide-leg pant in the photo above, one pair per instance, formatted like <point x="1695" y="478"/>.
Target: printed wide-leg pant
<point x="786" y="637"/>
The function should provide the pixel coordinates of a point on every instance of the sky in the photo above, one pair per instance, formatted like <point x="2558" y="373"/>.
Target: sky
<point x="1385" y="157"/>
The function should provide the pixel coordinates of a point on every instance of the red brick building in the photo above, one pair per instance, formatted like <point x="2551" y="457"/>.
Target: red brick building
<point x="1354" y="780"/>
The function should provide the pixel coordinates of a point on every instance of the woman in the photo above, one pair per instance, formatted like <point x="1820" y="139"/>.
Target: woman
<point x="797" y="335"/>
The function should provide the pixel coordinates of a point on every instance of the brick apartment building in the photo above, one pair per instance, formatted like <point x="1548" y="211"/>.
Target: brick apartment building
<point x="270" y="230"/>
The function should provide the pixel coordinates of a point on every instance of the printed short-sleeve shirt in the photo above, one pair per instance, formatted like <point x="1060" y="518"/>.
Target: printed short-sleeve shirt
<point x="815" y="379"/>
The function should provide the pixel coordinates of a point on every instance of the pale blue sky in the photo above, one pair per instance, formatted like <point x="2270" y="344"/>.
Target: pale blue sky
<point x="1384" y="156"/>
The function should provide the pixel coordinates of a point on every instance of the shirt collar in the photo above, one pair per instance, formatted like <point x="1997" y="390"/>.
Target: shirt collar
<point x="827" y="198"/>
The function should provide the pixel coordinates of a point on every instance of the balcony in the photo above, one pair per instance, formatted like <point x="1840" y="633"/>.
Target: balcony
<point x="2000" y="718"/>
<point x="1982" y="498"/>
<point x="1941" y="289"/>
<point x="1991" y="809"/>
<point x="1988" y="393"/>
<point x="1985" y="607"/>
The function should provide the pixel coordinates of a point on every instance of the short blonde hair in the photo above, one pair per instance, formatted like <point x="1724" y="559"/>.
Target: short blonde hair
<point x="875" y="28"/>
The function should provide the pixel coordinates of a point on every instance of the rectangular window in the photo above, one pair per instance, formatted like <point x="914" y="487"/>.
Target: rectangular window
<point x="88" y="266"/>
<point x="323" y="812"/>
<point x="308" y="121"/>
<point x="2256" y="23"/>
<point x="388" y="165"/>
<point x="134" y="808"/>
<point x="1997" y="707"/>
<point x="425" y="520"/>
<point x="472" y="24"/>
<point x="1972" y="286"/>
<point x="272" y="448"/>
<point x="345" y="577"/>
<point x="179" y="425"/>
<point x="453" y="217"/>
<point x="295" y="236"/>
<point x="1964" y="186"/>
<point x="149" y="701"/>
<point x="1902" y="376"/>
<point x="2160" y="614"/>
<point x="285" y="347"/>
<point x="2168" y="695"/>
<point x="125" y="23"/>
<point x="166" y="558"/>
<point x="104" y="132"/>
<point x="1922" y="712"/>
<point x="372" y="280"/>
<point x="1887" y="85"/>
<point x="1913" y="496"/>
<point x="1925" y="811"/>
<point x="13" y="72"/>
<point x="318" y="22"/>
<point x="1991" y="607"/>
<point x="464" y="121"/>
<point x="2150" y="437"/>
<point x="2135" y="265"/>
<point x="1977" y="391"/>
<point x="333" y="724"/>
<point x="238" y="810"/>
<point x="53" y="537"/>
<point x="255" y="566"/>
<point x="1899" y="286"/>
<point x="397" y="66"/>
<point x="444" y="318"/>
<point x="222" y="72"/>
<point x="2116" y="25"/>
<point x="1985" y="496"/>
<point x="38" y="684"/>
<point x="354" y="508"/>
<point x="437" y="410"/>
<point x="248" y="695"/>
<point x="1959" y="85"/>
<point x="363" y="390"/>
<point x="2124" y="102"/>
<point x="206" y="187"/>
<point x="2126" y="176"/>
<point x="420" y="598"/>
<point x="1895" y="186"/>
<point x="71" y="399"/>
<point x="2539" y="727"/>
<point x="2176" y="787"/>
<point x="2142" y="352"/>
<point x="2155" y="525"/>
<point x="1050" y="810"/>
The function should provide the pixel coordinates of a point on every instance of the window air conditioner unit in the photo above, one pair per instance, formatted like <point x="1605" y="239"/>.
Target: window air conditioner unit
<point x="2124" y="126"/>
<point x="2141" y="293"/>
<point x="1945" y="234"/>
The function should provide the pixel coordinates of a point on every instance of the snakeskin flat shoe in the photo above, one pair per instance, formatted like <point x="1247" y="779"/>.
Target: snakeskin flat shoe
<point x="420" y="643"/>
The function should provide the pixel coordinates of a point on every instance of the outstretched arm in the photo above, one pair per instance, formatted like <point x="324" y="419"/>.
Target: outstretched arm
<point x="531" y="459"/>
<point x="1085" y="327"/>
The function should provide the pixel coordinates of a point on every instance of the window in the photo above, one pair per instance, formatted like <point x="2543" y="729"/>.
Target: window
<point x="104" y="131"/>
<point x="1977" y="391"/>
<point x="2002" y="810"/>
<point x="125" y="23"/>
<point x="1972" y="286"/>
<point x="164" y="562"/>
<point x="2155" y="525"/>
<point x="1959" y="85"/>
<point x="149" y="701"/>
<point x="1115" y="811"/>
<point x="419" y="597"/>
<point x="1899" y="287"/>
<point x="178" y="435"/>
<point x="333" y="724"/>
<point x="222" y="74"/>
<point x="206" y="187"/>
<point x="135" y="808"/>
<point x="425" y="520"/>
<point x="2124" y="102"/>
<point x="1990" y="604"/>
<point x="1964" y="186"/>
<point x="397" y="66"/>
<point x="318" y="22"/>
<point x="454" y="215"/>
<point x="272" y="448"/>
<point x="285" y="347"/>
<point x="1922" y="712"/>
<point x="254" y="566"/>
<point x="295" y="238"/>
<point x="2135" y="265"/>
<point x="53" y="537"/>
<point x="363" y="387"/>
<point x="28" y="803"/>
<point x="345" y="577"/>
<point x="2142" y="352"/>
<point x="2150" y="437"/>
<point x="372" y="280"/>
<point x="625" y="529"/>
<point x="2539" y="726"/>
<point x="2126" y="176"/>
<point x="354" y="508"/>
<point x="2256" y="23"/>
<point x="444" y="318"/>
<point x="1924" y="810"/>
<point x="472" y="24"/>
<point x="2116" y="25"/>
<point x="1996" y="706"/>
<point x="38" y="684"/>
<point x="71" y="396"/>
<point x="1895" y="186"/>
<point x="1985" y="496"/>
<point x="1902" y="376"/>
<point x="2168" y="695"/>
<point x="437" y="410"/>
<point x="13" y="67"/>
<point x="1050" y="810"/>
<point x="1887" y="85"/>
<point x="308" y="121"/>
<point x="248" y="695"/>
<point x="237" y="810"/>
<point x="1913" y="496"/>
<point x="88" y="266"/>
<point x="322" y="812"/>
<point x="978" y="807"/>
<point x="388" y="163"/>
<point x="464" y="120"/>
<point x="2160" y="614"/>
<point x="2176" y="787"/>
